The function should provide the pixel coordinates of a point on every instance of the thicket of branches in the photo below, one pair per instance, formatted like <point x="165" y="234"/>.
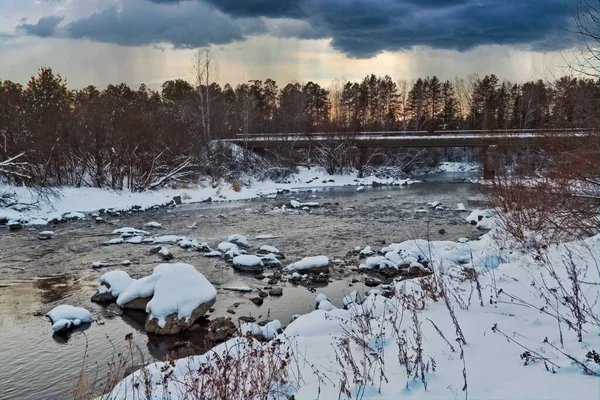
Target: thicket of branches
<point x="551" y="193"/>
<point x="121" y="137"/>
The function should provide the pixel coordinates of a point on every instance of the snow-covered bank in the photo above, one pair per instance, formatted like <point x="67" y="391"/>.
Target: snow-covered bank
<point x="90" y="200"/>
<point x="493" y="321"/>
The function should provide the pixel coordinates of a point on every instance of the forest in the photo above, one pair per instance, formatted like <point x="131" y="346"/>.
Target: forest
<point x="121" y="137"/>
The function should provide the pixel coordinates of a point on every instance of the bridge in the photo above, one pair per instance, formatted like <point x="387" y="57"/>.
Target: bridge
<point x="487" y="140"/>
<point x="442" y="138"/>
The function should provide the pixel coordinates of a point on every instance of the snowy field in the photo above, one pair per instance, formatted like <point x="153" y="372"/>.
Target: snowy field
<point x="494" y="321"/>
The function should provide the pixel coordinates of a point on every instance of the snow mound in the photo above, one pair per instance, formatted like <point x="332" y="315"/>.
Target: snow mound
<point x="224" y="247"/>
<point x="167" y="239"/>
<point x="65" y="316"/>
<point x="129" y="231"/>
<point x="239" y="240"/>
<point x="116" y="282"/>
<point x="309" y="262"/>
<point x="270" y="249"/>
<point x="326" y="305"/>
<point x="180" y="289"/>
<point x="268" y="331"/>
<point x="247" y="260"/>
<point x="140" y="288"/>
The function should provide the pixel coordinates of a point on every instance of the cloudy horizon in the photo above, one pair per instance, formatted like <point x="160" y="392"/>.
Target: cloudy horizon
<point x="150" y="41"/>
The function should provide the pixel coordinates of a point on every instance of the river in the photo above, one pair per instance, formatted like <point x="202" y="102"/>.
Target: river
<point x="37" y="275"/>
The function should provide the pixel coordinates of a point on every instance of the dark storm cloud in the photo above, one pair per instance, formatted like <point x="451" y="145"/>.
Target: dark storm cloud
<point x="44" y="27"/>
<point x="358" y="28"/>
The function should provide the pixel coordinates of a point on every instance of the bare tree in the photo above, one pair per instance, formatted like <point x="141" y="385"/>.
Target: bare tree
<point x="206" y="72"/>
<point x="586" y="16"/>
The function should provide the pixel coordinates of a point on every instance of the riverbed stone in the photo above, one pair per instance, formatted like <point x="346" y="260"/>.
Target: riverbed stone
<point x="257" y="300"/>
<point x="137" y="304"/>
<point x="174" y="324"/>
<point x="221" y="329"/>
<point x="276" y="291"/>
<point x="106" y="297"/>
<point x="372" y="282"/>
<point x="113" y="310"/>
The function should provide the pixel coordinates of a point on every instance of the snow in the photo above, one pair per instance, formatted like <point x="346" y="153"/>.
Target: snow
<point x="295" y="203"/>
<point x="360" y="189"/>
<point x="320" y="297"/>
<point x="268" y="331"/>
<point x="326" y="305"/>
<point x="74" y="215"/>
<point x="46" y="233"/>
<point x="270" y="249"/>
<point x="238" y="288"/>
<point x="247" y="260"/>
<point x="117" y="282"/>
<point x="139" y="288"/>
<point x="37" y="222"/>
<point x="179" y="290"/>
<point x="129" y="231"/>
<point x="214" y="253"/>
<point x="350" y="298"/>
<point x="115" y="241"/>
<point x="239" y="240"/>
<point x="264" y="237"/>
<point x="164" y="251"/>
<point x="448" y="166"/>
<point x="65" y="315"/>
<point x="135" y="240"/>
<point x="517" y="309"/>
<point x="226" y="246"/>
<point x="309" y="262"/>
<point x="98" y="264"/>
<point x="75" y="202"/>
<point x="460" y="207"/>
<point x="153" y="224"/>
<point x="167" y="239"/>
<point x="367" y="251"/>
<point x="373" y="262"/>
<point x="186" y="243"/>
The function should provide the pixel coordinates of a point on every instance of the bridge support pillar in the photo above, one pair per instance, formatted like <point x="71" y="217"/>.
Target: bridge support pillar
<point x="490" y="156"/>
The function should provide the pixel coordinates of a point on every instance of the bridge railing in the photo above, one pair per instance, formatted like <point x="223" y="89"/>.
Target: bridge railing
<point x="447" y="133"/>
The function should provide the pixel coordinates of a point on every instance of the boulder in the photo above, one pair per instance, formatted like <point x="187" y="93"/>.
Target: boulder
<point x="173" y="324"/>
<point x="257" y="300"/>
<point x="177" y="200"/>
<point x="113" y="310"/>
<point x="276" y="291"/>
<point x="105" y="297"/>
<point x="137" y="304"/>
<point x="372" y="282"/>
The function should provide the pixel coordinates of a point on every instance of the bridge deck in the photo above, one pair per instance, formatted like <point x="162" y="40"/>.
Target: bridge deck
<point x="413" y="139"/>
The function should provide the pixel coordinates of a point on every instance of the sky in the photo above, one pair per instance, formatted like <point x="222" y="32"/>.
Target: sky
<point x="150" y="41"/>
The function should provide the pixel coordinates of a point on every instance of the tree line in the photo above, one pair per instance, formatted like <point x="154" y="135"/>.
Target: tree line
<point x="121" y="137"/>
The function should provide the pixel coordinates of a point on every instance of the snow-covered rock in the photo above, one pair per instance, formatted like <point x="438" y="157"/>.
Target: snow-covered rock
<point x="137" y="295"/>
<point x="367" y="251"/>
<point x="214" y="253"/>
<point x="264" y="237"/>
<point x="65" y="316"/>
<point x="460" y="207"/>
<point x="482" y="219"/>
<point x="295" y="203"/>
<point x="111" y="285"/>
<point x="130" y="231"/>
<point x="74" y="215"/>
<point x="167" y="239"/>
<point x="268" y="331"/>
<point x="224" y="247"/>
<point x="350" y="298"/>
<point x="165" y="254"/>
<point x="239" y="240"/>
<point x="247" y="262"/>
<point x="314" y="264"/>
<point x="326" y="306"/>
<point x="270" y="261"/>
<point x="135" y="240"/>
<point x="181" y="296"/>
<point x="153" y="224"/>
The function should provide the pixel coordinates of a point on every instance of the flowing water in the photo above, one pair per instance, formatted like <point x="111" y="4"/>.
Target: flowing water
<point x="37" y="275"/>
